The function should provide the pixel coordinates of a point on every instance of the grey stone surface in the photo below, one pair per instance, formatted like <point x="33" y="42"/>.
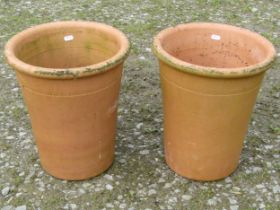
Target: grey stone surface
<point x="139" y="178"/>
<point x="22" y="207"/>
<point x="5" y="191"/>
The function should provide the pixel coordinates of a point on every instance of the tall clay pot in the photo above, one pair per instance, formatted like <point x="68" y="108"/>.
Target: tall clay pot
<point x="210" y="77"/>
<point x="70" y="75"/>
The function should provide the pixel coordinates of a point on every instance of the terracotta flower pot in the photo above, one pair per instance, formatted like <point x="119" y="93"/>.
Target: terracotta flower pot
<point x="210" y="77"/>
<point x="70" y="75"/>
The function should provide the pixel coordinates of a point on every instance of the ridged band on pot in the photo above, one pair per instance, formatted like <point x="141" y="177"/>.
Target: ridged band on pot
<point x="210" y="77"/>
<point x="70" y="75"/>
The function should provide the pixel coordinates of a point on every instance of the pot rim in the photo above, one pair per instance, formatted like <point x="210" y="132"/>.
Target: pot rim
<point x="66" y="73"/>
<point x="215" y="72"/>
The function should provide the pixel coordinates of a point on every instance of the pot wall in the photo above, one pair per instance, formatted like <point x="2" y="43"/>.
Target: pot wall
<point x="205" y="121"/>
<point x="74" y="122"/>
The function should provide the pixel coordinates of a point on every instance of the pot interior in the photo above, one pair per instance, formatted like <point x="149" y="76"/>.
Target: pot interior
<point x="67" y="47"/>
<point x="216" y="46"/>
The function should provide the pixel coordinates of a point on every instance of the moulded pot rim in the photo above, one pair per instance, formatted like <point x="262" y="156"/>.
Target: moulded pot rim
<point x="215" y="72"/>
<point x="66" y="73"/>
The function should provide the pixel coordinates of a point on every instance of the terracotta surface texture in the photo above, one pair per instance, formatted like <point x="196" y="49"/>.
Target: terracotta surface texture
<point x="210" y="77"/>
<point x="70" y="75"/>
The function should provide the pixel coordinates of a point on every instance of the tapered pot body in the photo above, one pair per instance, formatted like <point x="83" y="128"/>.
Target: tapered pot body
<point x="70" y="74"/>
<point x="210" y="77"/>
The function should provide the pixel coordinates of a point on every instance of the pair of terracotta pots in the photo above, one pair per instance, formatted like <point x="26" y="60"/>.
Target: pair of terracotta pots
<point x="70" y="75"/>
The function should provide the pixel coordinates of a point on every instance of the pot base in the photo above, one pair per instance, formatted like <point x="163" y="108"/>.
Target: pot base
<point x="77" y="176"/>
<point x="203" y="176"/>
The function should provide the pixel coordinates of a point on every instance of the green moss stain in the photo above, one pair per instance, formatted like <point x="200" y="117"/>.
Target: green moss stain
<point x="88" y="46"/>
<point x="60" y="73"/>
